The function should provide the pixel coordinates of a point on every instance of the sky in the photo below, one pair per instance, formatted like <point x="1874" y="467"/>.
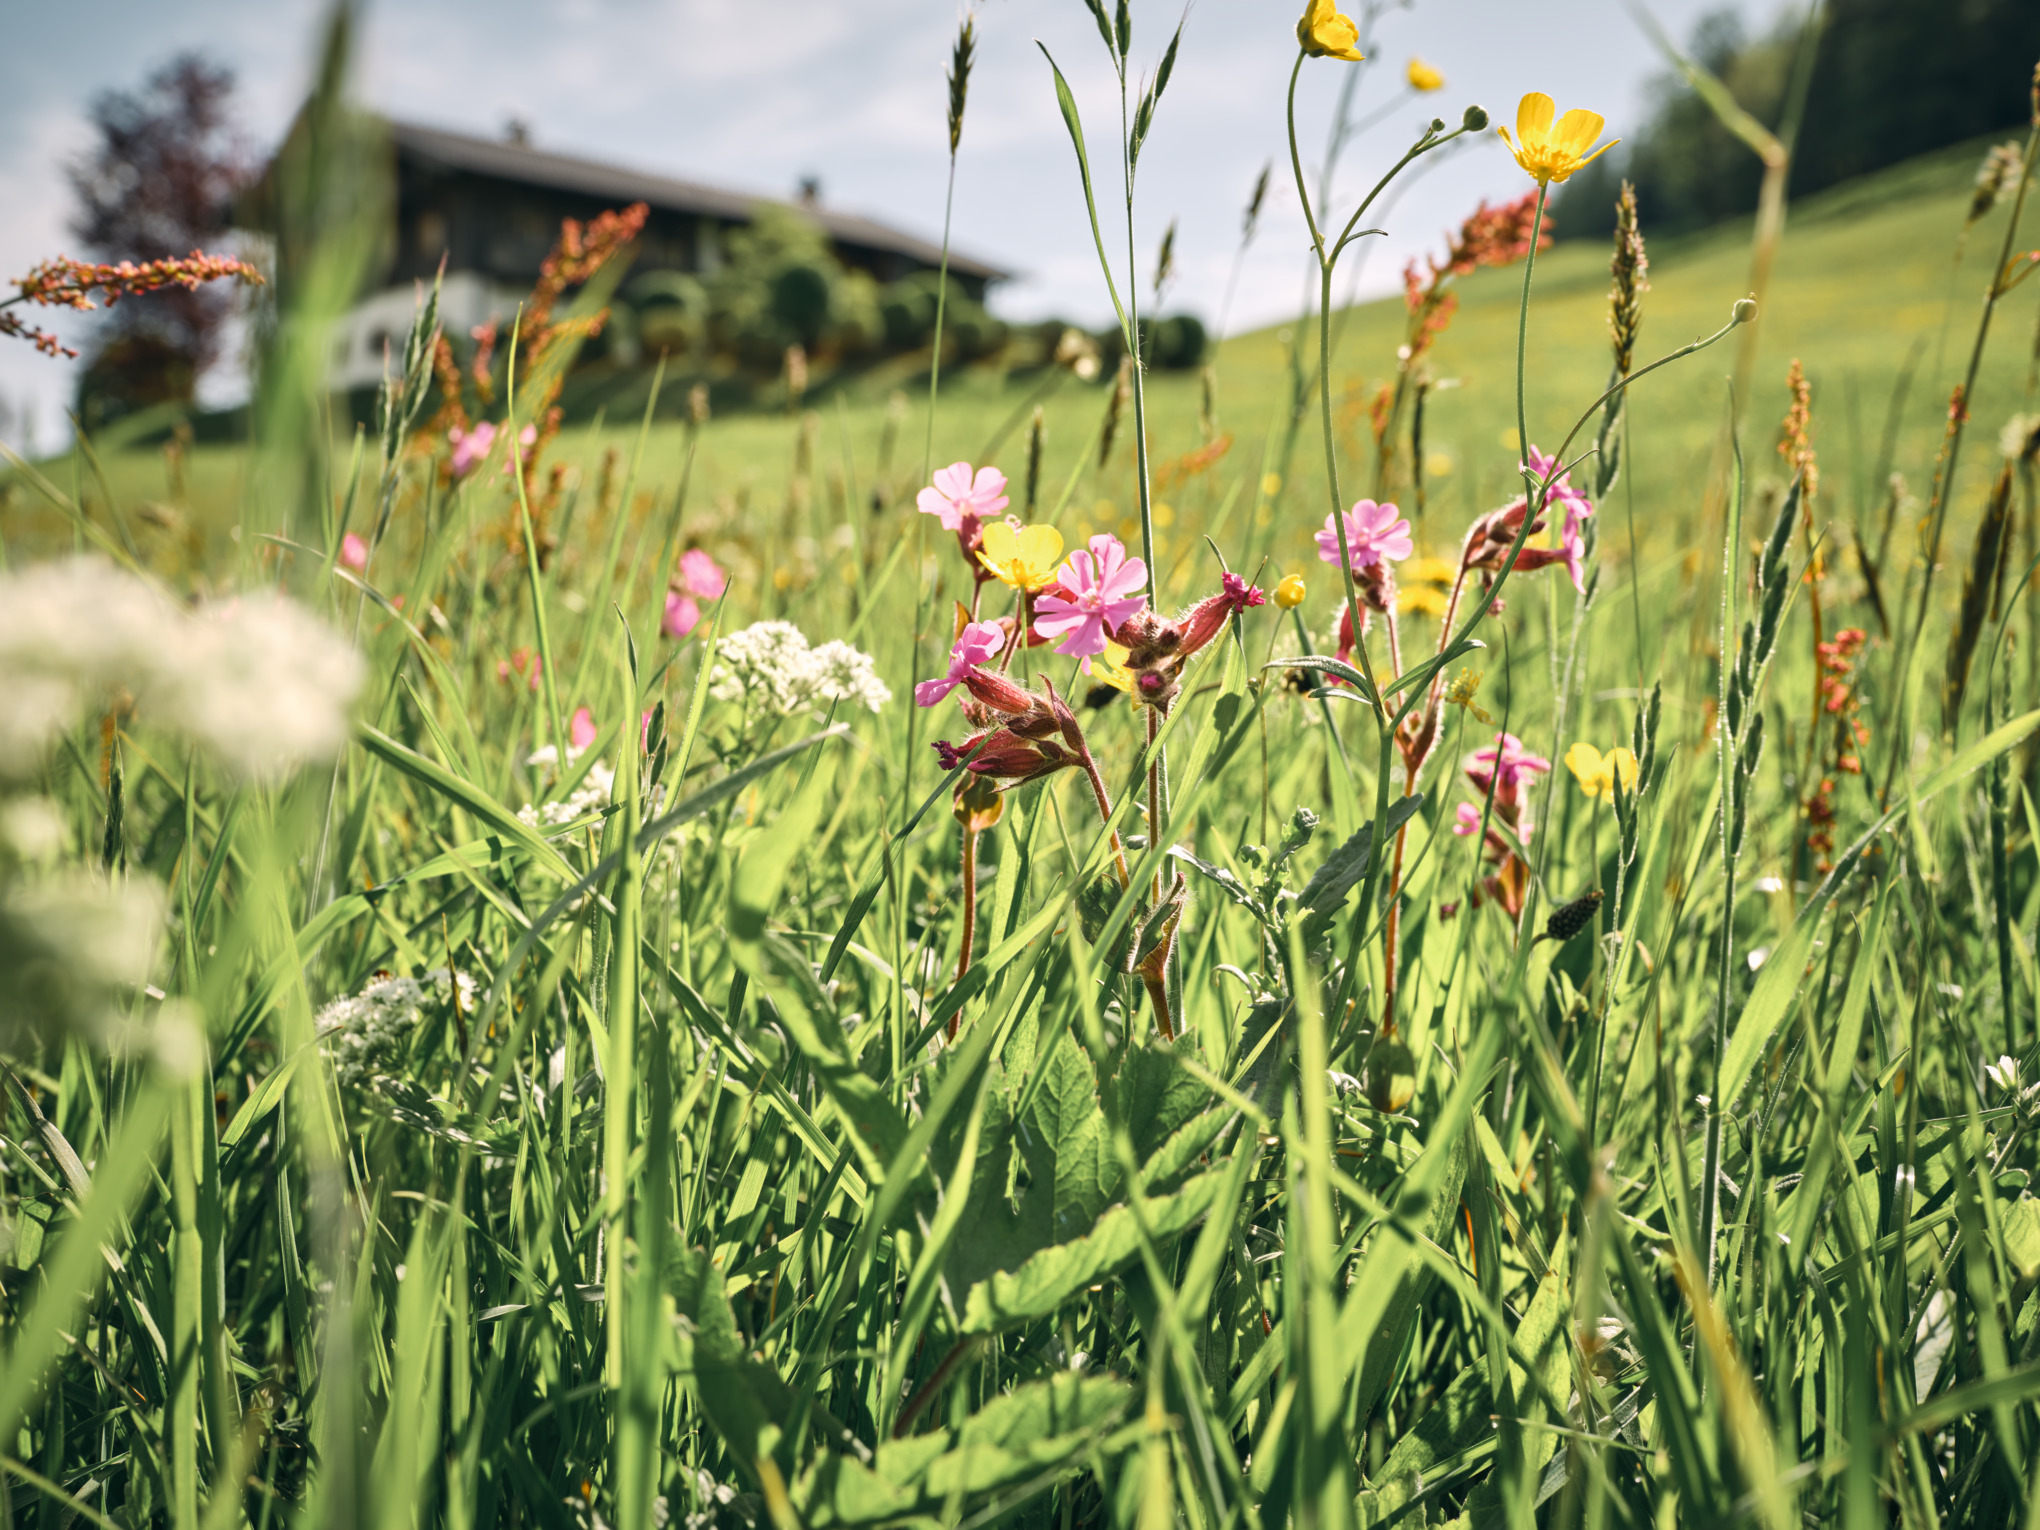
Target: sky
<point x="757" y="97"/>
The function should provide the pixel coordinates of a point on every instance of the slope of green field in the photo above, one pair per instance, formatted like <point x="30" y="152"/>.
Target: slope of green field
<point x="1867" y="287"/>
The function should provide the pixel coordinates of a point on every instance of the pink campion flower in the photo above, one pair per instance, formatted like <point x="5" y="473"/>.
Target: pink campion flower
<point x="353" y="552"/>
<point x="470" y="446"/>
<point x="581" y="730"/>
<point x="1505" y="763"/>
<point x="700" y="576"/>
<point x="957" y="495"/>
<point x="682" y="615"/>
<point x="979" y="643"/>
<point x="1206" y="620"/>
<point x="1103" y="590"/>
<point x="1468" y="817"/>
<point x="1563" y="492"/>
<point x="1374" y="533"/>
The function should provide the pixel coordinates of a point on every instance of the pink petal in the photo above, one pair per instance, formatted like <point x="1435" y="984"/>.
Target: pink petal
<point x="700" y="573"/>
<point x="682" y="615"/>
<point x="1087" y="638"/>
<point x="354" y="552"/>
<point x="928" y="692"/>
<point x="581" y="731"/>
<point x="935" y="502"/>
<point x="953" y="482"/>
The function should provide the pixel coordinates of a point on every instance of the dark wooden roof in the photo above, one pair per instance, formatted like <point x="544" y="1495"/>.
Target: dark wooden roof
<point x="501" y="159"/>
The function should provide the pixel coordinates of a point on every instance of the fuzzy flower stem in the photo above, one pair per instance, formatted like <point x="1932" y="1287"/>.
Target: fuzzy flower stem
<point x="1104" y="801"/>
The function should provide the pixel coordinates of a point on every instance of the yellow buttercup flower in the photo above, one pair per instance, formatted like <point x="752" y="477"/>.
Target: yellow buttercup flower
<point x="1289" y="592"/>
<point x="1325" y="33"/>
<point x="1596" y="771"/>
<point x="1422" y="76"/>
<point x="1420" y="597"/>
<point x="1551" y="154"/>
<point x="1023" y="556"/>
<point x="1109" y="668"/>
<point x="1428" y="570"/>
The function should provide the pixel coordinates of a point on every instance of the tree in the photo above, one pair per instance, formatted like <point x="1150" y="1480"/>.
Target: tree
<point x="159" y="184"/>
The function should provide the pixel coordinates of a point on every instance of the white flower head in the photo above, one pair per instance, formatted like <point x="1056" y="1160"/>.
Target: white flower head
<point x="771" y="665"/>
<point x="367" y="1032"/>
<point x="73" y="948"/>
<point x="2004" y="1073"/>
<point x="2018" y="434"/>
<point x="259" y="682"/>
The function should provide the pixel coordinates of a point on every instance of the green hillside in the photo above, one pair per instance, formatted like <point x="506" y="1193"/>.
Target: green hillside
<point x="1866" y="274"/>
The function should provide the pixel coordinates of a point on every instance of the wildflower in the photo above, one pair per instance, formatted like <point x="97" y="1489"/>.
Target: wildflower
<point x="1466" y="819"/>
<point x="1109" y="669"/>
<point x="257" y="681"/>
<point x="1552" y="154"/>
<point x="1464" y="688"/>
<point x="581" y="730"/>
<point x="1505" y="763"/>
<point x="771" y="664"/>
<point x="979" y="643"/>
<point x="1289" y="592"/>
<point x="77" y="947"/>
<point x="2020" y="437"/>
<point x="682" y="615"/>
<point x="1596" y="772"/>
<point x="1374" y="533"/>
<point x="957" y="495"/>
<point x="353" y="552"/>
<point x="521" y="660"/>
<point x="1103" y="585"/>
<point x="1422" y="76"/>
<point x="1021" y="556"/>
<point x="1325" y="33"/>
<point x="470" y="447"/>
<point x="1158" y="648"/>
<point x="1423" y="600"/>
<point x="2004" y="1073"/>
<point x="586" y="799"/>
<point x="367" y="1032"/>
<point x="700" y="576"/>
<point x="839" y="672"/>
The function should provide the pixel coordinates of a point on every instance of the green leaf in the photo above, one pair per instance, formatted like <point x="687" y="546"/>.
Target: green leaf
<point x="1075" y="123"/>
<point x="1330" y="884"/>
<point x="1014" y="1442"/>
<point x="1318" y="661"/>
<point x="1463" y="1417"/>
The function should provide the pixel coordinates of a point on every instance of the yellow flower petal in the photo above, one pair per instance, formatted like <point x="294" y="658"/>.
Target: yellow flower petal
<point x="1422" y="76"/>
<point x="1577" y="130"/>
<point x="1024" y="557"/>
<point x="1533" y="119"/>
<point x="1589" y="768"/>
<point x="1625" y="763"/>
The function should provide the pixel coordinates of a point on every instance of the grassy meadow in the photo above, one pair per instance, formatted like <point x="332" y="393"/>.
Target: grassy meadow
<point x="489" y="1057"/>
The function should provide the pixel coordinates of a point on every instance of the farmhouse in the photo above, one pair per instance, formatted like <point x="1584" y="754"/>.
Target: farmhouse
<point x="492" y="208"/>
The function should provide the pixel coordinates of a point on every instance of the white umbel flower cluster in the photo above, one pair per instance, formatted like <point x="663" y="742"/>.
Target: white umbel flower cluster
<point x="771" y="664"/>
<point x="258" y="682"/>
<point x="591" y="796"/>
<point x="368" y="1031"/>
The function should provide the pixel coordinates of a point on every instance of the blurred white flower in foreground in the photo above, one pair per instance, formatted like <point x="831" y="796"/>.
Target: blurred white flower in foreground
<point x="71" y="948"/>
<point x="258" y="682"/>
<point x="771" y="664"/>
